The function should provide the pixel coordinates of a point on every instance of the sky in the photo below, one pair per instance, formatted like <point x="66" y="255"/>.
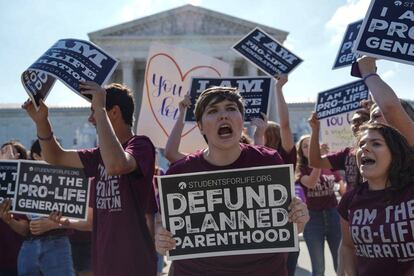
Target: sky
<point x="29" y="27"/>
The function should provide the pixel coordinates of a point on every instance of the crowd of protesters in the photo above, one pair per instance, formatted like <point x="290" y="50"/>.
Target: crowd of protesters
<point x="368" y="232"/>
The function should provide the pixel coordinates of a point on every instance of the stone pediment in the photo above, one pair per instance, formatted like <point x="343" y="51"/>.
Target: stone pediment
<point x="185" y="20"/>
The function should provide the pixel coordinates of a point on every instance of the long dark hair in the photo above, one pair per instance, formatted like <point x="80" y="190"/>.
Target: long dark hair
<point x="401" y="171"/>
<point x="272" y="135"/>
<point x="302" y="161"/>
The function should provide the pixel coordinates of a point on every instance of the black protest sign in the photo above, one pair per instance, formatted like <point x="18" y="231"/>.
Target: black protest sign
<point x="266" y="53"/>
<point x="8" y="174"/>
<point x="345" y="55"/>
<point x="229" y="212"/>
<point x="71" y="61"/>
<point x="255" y="92"/>
<point x="388" y="31"/>
<point x="42" y="188"/>
<point x="341" y="99"/>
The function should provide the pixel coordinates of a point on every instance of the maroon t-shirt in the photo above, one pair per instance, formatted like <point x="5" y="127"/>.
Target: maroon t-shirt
<point x="323" y="195"/>
<point x="346" y="160"/>
<point x="381" y="227"/>
<point x="288" y="157"/>
<point x="121" y="242"/>
<point x="10" y="243"/>
<point x="253" y="264"/>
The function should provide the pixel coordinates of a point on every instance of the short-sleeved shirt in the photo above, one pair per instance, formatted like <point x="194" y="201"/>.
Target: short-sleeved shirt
<point x="381" y="226"/>
<point x="321" y="197"/>
<point x="253" y="264"/>
<point x="346" y="160"/>
<point x="121" y="242"/>
<point x="288" y="157"/>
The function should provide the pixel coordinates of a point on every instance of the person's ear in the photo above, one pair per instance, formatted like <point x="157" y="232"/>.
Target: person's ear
<point x="200" y="127"/>
<point x="115" y="111"/>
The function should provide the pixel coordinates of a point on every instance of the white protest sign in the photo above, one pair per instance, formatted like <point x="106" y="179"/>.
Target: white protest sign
<point x="336" y="131"/>
<point x="167" y="79"/>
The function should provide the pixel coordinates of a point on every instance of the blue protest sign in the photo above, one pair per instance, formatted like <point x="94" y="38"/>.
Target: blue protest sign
<point x="266" y="53"/>
<point x="255" y="92"/>
<point x="388" y="31"/>
<point x="71" y="61"/>
<point x="341" y="99"/>
<point x="42" y="188"/>
<point x="345" y="56"/>
<point x="8" y="173"/>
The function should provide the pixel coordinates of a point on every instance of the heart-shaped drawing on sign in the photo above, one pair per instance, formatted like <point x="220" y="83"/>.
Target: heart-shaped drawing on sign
<point x="166" y="85"/>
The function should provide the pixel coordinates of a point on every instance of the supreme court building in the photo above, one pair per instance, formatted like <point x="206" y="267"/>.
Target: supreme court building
<point x="195" y="28"/>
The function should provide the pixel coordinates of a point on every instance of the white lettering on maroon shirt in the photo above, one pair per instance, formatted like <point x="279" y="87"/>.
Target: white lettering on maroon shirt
<point x="385" y="233"/>
<point x="108" y="195"/>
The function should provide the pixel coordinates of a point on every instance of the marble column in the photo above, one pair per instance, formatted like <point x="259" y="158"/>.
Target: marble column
<point x="128" y="73"/>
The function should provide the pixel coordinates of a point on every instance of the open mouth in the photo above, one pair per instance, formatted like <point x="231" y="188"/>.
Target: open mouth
<point x="367" y="161"/>
<point x="225" y="131"/>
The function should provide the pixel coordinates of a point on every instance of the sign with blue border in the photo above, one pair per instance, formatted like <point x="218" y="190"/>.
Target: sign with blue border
<point x="71" y="61"/>
<point x="266" y="53"/>
<point x="255" y="92"/>
<point x="341" y="99"/>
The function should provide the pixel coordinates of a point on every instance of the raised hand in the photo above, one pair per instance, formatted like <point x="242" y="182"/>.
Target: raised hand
<point x="97" y="92"/>
<point x="281" y="80"/>
<point x="38" y="116"/>
<point x="314" y="122"/>
<point x="184" y="103"/>
<point x="367" y="65"/>
<point x="7" y="153"/>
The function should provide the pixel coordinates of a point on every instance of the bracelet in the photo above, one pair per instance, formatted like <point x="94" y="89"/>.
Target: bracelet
<point x="369" y="75"/>
<point x="48" y="138"/>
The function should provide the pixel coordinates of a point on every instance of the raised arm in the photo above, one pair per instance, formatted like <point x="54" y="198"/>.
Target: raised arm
<point x="386" y="99"/>
<point x="51" y="150"/>
<point x="173" y="143"/>
<point x="346" y="258"/>
<point x="283" y="112"/>
<point x="259" y="133"/>
<point x="311" y="180"/>
<point x="315" y="158"/>
<point x="115" y="159"/>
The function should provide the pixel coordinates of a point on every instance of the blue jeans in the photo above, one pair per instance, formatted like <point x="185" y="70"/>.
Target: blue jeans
<point x="50" y="255"/>
<point x="322" y="224"/>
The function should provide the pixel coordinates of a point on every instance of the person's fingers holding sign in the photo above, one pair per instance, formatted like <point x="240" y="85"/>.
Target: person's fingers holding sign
<point x="97" y="92"/>
<point x="164" y="240"/>
<point x="37" y="116"/>
<point x="314" y="122"/>
<point x="42" y="225"/>
<point x="56" y="217"/>
<point x="5" y="214"/>
<point x="298" y="213"/>
<point x="281" y="80"/>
